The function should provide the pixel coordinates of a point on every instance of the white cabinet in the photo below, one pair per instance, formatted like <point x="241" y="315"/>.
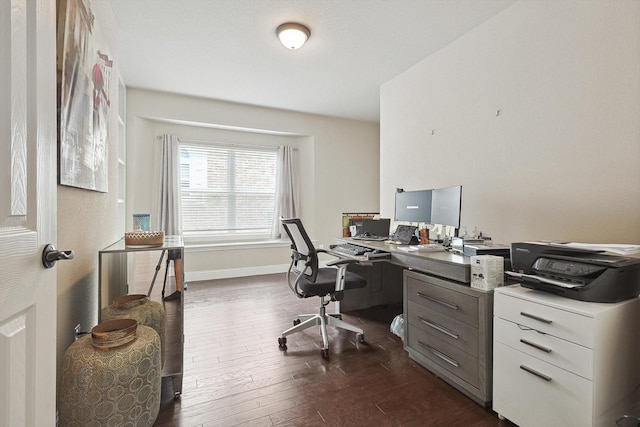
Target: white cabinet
<point x="563" y="362"/>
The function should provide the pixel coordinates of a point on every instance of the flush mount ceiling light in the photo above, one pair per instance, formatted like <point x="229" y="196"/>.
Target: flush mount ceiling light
<point x="293" y="35"/>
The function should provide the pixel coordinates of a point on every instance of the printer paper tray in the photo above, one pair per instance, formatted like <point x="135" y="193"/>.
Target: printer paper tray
<point x="538" y="279"/>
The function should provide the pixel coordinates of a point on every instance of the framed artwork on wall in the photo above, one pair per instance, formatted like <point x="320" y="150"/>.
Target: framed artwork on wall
<point x="84" y="90"/>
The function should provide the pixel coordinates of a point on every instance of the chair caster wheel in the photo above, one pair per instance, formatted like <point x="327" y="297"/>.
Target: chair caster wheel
<point x="296" y="322"/>
<point x="360" y="337"/>
<point x="324" y="353"/>
<point x="282" y="342"/>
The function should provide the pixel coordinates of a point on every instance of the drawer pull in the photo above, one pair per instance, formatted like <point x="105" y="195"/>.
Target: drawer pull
<point x="440" y="354"/>
<point x="536" y="373"/>
<point x="534" y="345"/>
<point x="438" y="301"/>
<point x="534" y="317"/>
<point x="439" y="328"/>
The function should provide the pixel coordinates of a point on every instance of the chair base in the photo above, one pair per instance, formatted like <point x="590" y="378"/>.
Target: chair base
<point x="305" y="321"/>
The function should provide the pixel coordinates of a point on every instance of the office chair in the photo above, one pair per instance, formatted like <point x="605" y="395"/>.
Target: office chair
<point x="328" y="283"/>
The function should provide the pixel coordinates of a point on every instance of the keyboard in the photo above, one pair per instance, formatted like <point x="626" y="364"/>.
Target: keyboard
<point x="349" y="249"/>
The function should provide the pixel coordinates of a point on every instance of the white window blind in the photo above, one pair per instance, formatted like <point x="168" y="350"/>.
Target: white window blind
<point x="227" y="192"/>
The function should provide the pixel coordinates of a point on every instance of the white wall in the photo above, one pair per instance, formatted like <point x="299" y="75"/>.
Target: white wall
<point x="336" y="156"/>
<point x="536" y="113"/>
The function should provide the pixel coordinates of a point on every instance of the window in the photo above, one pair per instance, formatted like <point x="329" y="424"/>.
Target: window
<point x="227" y="192"/>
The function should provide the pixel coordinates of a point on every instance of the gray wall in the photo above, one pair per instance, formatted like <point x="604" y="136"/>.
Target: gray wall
<point x="536" y="113"/>
<point x="87" y="220"/>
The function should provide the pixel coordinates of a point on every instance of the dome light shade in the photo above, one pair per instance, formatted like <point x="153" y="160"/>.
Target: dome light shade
<point x="293" y="35"/>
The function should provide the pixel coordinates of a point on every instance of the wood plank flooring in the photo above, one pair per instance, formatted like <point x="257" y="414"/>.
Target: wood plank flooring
<point x="236" y="375"/>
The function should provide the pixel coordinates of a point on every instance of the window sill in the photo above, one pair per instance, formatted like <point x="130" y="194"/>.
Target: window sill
<point x="264" y="244"/>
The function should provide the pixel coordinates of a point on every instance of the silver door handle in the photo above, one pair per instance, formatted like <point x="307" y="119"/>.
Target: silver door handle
<point x="50" y="255"/>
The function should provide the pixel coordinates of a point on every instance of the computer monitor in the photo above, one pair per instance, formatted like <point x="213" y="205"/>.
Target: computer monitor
<point x="446" y="204"/>
<point x="413" y="206"/>
<point x="376" y="227"/>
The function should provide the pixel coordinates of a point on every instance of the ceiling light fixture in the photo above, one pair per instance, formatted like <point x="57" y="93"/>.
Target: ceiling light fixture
<point x="293" y="35"/>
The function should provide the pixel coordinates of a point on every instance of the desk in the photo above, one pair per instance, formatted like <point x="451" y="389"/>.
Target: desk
<point x="448" y="324"/>
<point x="444" y="264"/>
<point x="113" y="281"/>
<point x="385" y="279"/>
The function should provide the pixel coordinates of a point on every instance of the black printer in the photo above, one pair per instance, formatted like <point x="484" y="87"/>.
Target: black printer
<point x="581" y="274"/>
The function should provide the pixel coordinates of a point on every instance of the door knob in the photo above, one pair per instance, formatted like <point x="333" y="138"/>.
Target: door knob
<point x="50" y="255"/>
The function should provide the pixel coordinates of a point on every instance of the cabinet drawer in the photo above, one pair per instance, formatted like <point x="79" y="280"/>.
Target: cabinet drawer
<point x="558" y="352"/>
<point x="427" y="293"/>
<point x="549" y="320"/>
<point x="454" y="332"/>
<point x="522" y="395"/>
<point x="445" y="355"/>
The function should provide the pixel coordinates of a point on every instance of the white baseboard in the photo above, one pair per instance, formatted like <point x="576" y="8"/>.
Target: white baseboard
<point x="196" y="276"/>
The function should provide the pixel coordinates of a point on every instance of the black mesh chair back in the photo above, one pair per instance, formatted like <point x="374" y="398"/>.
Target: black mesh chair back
<point x="311" y="280"/>
<point x="304" y="255"/>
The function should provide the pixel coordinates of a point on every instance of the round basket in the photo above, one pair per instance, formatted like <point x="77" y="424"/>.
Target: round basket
<point x="114" y="334"/>
<point x="111" y="383"/>
<point x="144" y="238"/>
<point x="140" y="308"/>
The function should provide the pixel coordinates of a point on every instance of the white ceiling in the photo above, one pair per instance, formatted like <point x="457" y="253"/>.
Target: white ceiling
<point x="228" y="50"/>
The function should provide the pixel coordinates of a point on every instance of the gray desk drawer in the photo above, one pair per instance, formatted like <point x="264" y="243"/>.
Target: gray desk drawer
<point x="454" y="332"/>
<point x="458" y="271"/>
<point x="452" y="359"/>
<point x="425" y="291"/>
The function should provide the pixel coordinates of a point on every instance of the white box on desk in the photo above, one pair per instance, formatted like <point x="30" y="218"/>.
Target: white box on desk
<point x="487" y="271"/>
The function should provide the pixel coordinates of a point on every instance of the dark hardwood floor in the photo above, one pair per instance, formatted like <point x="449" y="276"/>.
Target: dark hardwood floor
<point x="236" y="375"/>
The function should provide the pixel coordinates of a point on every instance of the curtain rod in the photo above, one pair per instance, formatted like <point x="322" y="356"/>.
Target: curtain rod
<point x="230" y="144"/>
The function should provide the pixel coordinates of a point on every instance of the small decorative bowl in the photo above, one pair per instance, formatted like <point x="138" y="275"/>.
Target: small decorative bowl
<point x="146" y="238"/>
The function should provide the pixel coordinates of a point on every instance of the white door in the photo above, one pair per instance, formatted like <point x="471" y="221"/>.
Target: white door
<point x="27" y="212"/>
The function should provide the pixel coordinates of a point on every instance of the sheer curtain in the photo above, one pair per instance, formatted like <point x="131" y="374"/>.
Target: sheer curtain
<point x="286" y="197"/>
<point x="169" y="217"/>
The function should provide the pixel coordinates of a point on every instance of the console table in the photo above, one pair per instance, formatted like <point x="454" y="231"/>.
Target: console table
<point x="448" y="324"/>
<point x="113" y="282"/>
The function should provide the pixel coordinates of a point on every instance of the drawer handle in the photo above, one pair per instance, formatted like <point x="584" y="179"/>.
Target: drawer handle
<point x="438" y="301"/>
<point x="534" y="317"/>
<point x="439" y="328"/>
<point x="440" y="354"/>
<point x="536" y="373"/>
<point x="534" y="345"/>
